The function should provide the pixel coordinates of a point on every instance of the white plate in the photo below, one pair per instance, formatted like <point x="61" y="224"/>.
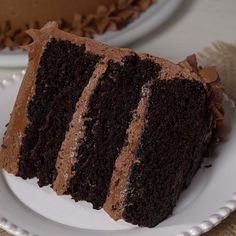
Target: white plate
<point x="26" y="209"/>
<point x="148" y="21"/>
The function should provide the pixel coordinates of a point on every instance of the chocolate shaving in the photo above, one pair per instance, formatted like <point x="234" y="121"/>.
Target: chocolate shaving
<point x="3" y="146"/>
<point x="192" y="61"/>
<point x="211" y="78"/>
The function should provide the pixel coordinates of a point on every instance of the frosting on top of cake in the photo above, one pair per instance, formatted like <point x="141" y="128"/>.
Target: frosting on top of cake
<point x="76" y="16"/>
<point x="42" y="37"/>
<point x="103" y="92"/>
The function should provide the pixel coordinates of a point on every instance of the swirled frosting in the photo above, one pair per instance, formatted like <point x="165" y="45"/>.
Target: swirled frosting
<point x="78" y="17"/>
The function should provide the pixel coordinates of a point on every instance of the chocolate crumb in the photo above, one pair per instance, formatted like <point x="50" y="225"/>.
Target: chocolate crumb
<point x="115" y="206"/>
<point x="208" y="166"/>
<point x="3" y="146"/>
<point x="7" y="125"/>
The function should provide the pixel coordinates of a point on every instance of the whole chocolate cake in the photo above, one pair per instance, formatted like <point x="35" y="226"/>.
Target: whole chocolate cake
<point x="83" y="18"/>
<point x="125" y="131"/>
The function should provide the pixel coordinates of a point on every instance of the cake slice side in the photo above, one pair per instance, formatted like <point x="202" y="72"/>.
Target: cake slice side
<point x="10" y="152"/>
<point x="43" y="88"/>
<point x="182" y="121"/>
<point x="126" y="158"/>
<point x="21" y="145"/>
<point x="110" y="125"/>
<point x="76" y="133"/>
<point x="108" y="117"/>
<point x="171" y="139"/>
<point x="64" y="71"/>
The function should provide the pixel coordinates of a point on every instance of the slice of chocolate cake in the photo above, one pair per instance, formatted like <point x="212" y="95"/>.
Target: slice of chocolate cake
<point x="123" y="130"/>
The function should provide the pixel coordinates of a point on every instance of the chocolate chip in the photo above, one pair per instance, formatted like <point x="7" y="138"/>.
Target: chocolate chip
<point x="3" y="146"/>
<point x="208" y="166"/>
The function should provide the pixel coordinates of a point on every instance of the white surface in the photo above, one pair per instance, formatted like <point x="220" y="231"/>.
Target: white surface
<point x="147" y="22"/>
<point x="24" y="206"/>
<point x="196" y="25"/>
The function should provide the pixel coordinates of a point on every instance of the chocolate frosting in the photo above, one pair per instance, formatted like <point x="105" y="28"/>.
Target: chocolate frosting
<point x="117" y="191"/>
<point x="80" y="18"/>
<point x="211" y="78"/>
<point x="66" y="157"/>
<point x="10" y="153"/>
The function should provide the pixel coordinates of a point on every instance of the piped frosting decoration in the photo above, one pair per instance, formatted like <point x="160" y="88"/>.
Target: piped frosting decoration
<point x="111" y="17"/>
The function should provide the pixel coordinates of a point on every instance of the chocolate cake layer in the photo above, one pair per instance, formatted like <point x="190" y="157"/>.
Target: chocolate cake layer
<point x="110" y="112"/>
<point x="76" y="133"/>
<point x="123" y="130"/>
<point x="168" y="146"/>
<point x="13" y="139"/>
<point x="52" y="106"/>
<point x="126" y="158"/>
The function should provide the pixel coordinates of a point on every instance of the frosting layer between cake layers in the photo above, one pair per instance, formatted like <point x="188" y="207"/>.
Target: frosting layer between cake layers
<point x="123" y="130"/>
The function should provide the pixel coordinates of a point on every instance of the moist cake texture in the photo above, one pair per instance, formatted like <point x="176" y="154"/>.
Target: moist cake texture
<point x="125" y="131"/>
